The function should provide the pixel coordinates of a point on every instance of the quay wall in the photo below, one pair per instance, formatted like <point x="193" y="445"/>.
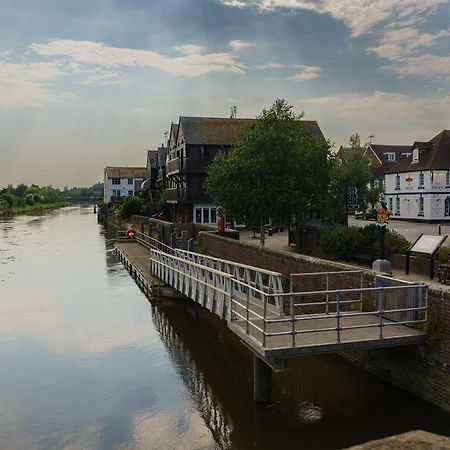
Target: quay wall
<point x="422" y="370"/>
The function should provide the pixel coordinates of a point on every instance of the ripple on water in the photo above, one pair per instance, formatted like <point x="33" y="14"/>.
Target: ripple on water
<point x="308" y="412"/>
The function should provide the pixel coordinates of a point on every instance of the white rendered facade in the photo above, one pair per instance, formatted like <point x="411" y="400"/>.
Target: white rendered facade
<point x="119" y="182"/>
<point x="422" y="195"/>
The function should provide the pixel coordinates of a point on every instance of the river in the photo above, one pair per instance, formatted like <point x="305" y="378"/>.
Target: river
<point x="87" y="362"/>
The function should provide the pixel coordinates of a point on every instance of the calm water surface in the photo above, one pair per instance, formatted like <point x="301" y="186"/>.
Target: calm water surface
<point x="87" y="362"/>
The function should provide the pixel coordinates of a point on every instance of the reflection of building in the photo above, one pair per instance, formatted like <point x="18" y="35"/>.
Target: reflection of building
<point x="122" y="181"/>
<point x="418" y="188"/>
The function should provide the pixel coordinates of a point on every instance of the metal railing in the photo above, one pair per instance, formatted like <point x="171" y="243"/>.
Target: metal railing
<point x="335" y="322"/>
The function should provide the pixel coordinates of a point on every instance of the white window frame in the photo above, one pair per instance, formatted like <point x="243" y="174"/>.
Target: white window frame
<point x="115" y="181"/>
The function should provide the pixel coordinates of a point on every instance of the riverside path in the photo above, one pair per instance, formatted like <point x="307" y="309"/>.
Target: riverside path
<point x="321" y="312"/>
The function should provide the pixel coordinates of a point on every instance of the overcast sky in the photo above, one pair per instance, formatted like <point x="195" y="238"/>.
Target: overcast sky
<point x="85" y="84"/>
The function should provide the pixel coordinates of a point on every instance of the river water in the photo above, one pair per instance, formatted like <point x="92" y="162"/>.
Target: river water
<point x="87" y="362"/>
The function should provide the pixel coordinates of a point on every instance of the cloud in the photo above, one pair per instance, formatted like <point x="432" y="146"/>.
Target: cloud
<point x="358" y="15"/>
<point x="269" y="66"/>
<point x="25" y="85"/>
<point x="381" y="107"/>
<point x="306" y="73"/>
<point x="396" y="44"/>
<point x="238" y="45"/>
<point x="402" y="46"/>
<point x="103" y="78"/>
<point x="99" y="54"/>
<point x="190" y="49"/>
<point x="234" y="3"/>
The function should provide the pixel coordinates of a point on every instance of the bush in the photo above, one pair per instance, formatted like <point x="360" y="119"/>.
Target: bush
<point x="131" y="205"/>
<point x="442" y="254"/>
<point x="395" y="243"/>
<point x="340" y="242"/>
<point x="9" y="199"/>
<point x="346" y="241"/>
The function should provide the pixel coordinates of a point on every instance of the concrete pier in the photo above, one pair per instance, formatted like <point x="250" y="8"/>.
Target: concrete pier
<point x="262" y="381"/>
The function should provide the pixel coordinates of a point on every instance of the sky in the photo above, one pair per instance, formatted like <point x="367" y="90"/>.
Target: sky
<point x="87" y="84"/>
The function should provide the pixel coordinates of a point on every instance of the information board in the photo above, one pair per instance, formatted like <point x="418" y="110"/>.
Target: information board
<point x="427" y="244"/>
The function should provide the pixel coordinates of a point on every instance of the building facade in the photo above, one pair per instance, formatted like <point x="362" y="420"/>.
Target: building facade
<point x="191" y="148"/>
<point x="418" y="188"/>
<point x="120" y="182"/>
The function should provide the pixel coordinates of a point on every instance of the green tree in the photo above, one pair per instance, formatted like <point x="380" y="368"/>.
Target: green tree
<point x="131" y="205"/>
<point x="275" y="169"/>
<point x="349" y="169"/>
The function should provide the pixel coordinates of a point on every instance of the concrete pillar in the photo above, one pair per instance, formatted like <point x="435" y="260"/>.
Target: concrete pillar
<point x="262" y="381"/>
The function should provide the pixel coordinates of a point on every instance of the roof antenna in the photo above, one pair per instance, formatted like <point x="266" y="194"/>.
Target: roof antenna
<point x="233" y="114"/>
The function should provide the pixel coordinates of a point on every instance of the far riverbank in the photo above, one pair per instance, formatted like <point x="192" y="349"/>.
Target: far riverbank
<point x="27" y="209"/>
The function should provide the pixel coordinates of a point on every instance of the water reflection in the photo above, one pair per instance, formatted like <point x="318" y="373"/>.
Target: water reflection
<point x="89" y="363"/>
<point x="206" y="402"/>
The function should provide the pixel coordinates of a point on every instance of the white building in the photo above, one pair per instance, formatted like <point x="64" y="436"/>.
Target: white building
<point x="418" y="188"/>
<point x="122" y="181"/>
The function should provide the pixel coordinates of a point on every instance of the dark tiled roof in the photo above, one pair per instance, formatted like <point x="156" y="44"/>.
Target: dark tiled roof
<point x="152" y="156"/>
<point x="126" y="172"/>
<point x="436" y="157"/>
<point x="381" y="150"/>
<point x="223" y="131"/>
<point x="162" y="152"/>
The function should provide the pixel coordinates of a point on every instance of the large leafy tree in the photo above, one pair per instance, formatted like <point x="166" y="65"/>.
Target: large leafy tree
<point x="275" y="169"/>
<point x="348" y="169"/>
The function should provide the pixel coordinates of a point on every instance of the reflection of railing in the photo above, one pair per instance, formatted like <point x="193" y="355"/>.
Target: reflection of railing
<point x="210" y="409"/>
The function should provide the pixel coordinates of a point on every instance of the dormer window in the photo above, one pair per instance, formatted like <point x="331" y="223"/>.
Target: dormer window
<point x="390" y="156"/>
<point x="415" y="155"/>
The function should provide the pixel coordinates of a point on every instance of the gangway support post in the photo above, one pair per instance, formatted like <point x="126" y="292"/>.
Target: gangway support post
<point x="262" y="381"/>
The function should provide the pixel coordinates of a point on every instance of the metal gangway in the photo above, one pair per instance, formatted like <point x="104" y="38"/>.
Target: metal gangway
<point x="277" y="324"/>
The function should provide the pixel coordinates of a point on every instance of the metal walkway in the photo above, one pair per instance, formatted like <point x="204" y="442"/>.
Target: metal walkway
<point x="321" y="313"/>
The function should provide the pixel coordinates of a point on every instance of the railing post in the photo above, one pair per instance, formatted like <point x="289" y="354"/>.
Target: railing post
<point x="327" y="305"/>
<point x="231" y="299"/>
<point x="291" y="299"/>
<point x="247" y="313"/>
<point x="338" y="318"/>
<point x="264" y="320"/>
<point x="380" y="310"/>
<point x="360" y="292"/>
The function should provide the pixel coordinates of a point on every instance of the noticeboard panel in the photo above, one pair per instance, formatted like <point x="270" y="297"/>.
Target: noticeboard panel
<point x="428" y="244"/>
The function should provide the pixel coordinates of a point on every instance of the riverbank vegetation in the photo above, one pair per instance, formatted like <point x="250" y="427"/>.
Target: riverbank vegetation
<point x="22" y="199"/>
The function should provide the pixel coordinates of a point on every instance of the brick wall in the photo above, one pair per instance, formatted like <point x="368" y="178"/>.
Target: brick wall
<point x="423" y="371"/>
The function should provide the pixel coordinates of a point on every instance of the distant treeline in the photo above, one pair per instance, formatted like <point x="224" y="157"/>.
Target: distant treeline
<point x="22" y="198"/>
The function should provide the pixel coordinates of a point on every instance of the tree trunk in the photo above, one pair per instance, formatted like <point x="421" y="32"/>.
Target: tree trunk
<point x="262" y="239"/>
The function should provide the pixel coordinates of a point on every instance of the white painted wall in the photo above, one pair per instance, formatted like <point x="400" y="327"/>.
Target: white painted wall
<point x="123" y="188"/>
<point x="434" y="192"/>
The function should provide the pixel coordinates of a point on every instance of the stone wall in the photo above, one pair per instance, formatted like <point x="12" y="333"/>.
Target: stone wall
<point x="423" y="371"/>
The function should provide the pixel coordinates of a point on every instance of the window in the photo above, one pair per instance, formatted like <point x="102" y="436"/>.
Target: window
<point x="447" y="207"/>
<point x="115" y="193"/>
<point x="205" y="215"/>
<point x="115" y="180"/>
<point x="447" y="178"/>
<point x="415" y="155"/>
<point x="130" y="192"/>
<point x="130" y="180"/>
<point x="397" y="206"/>
<point x="421" y="180"/>
<point x="397" y="181"/>
<point x="391" y="202"/>
<point x="198" y="215"/>
<point x="420" y="206"/>
<point x="390" y="156"/>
